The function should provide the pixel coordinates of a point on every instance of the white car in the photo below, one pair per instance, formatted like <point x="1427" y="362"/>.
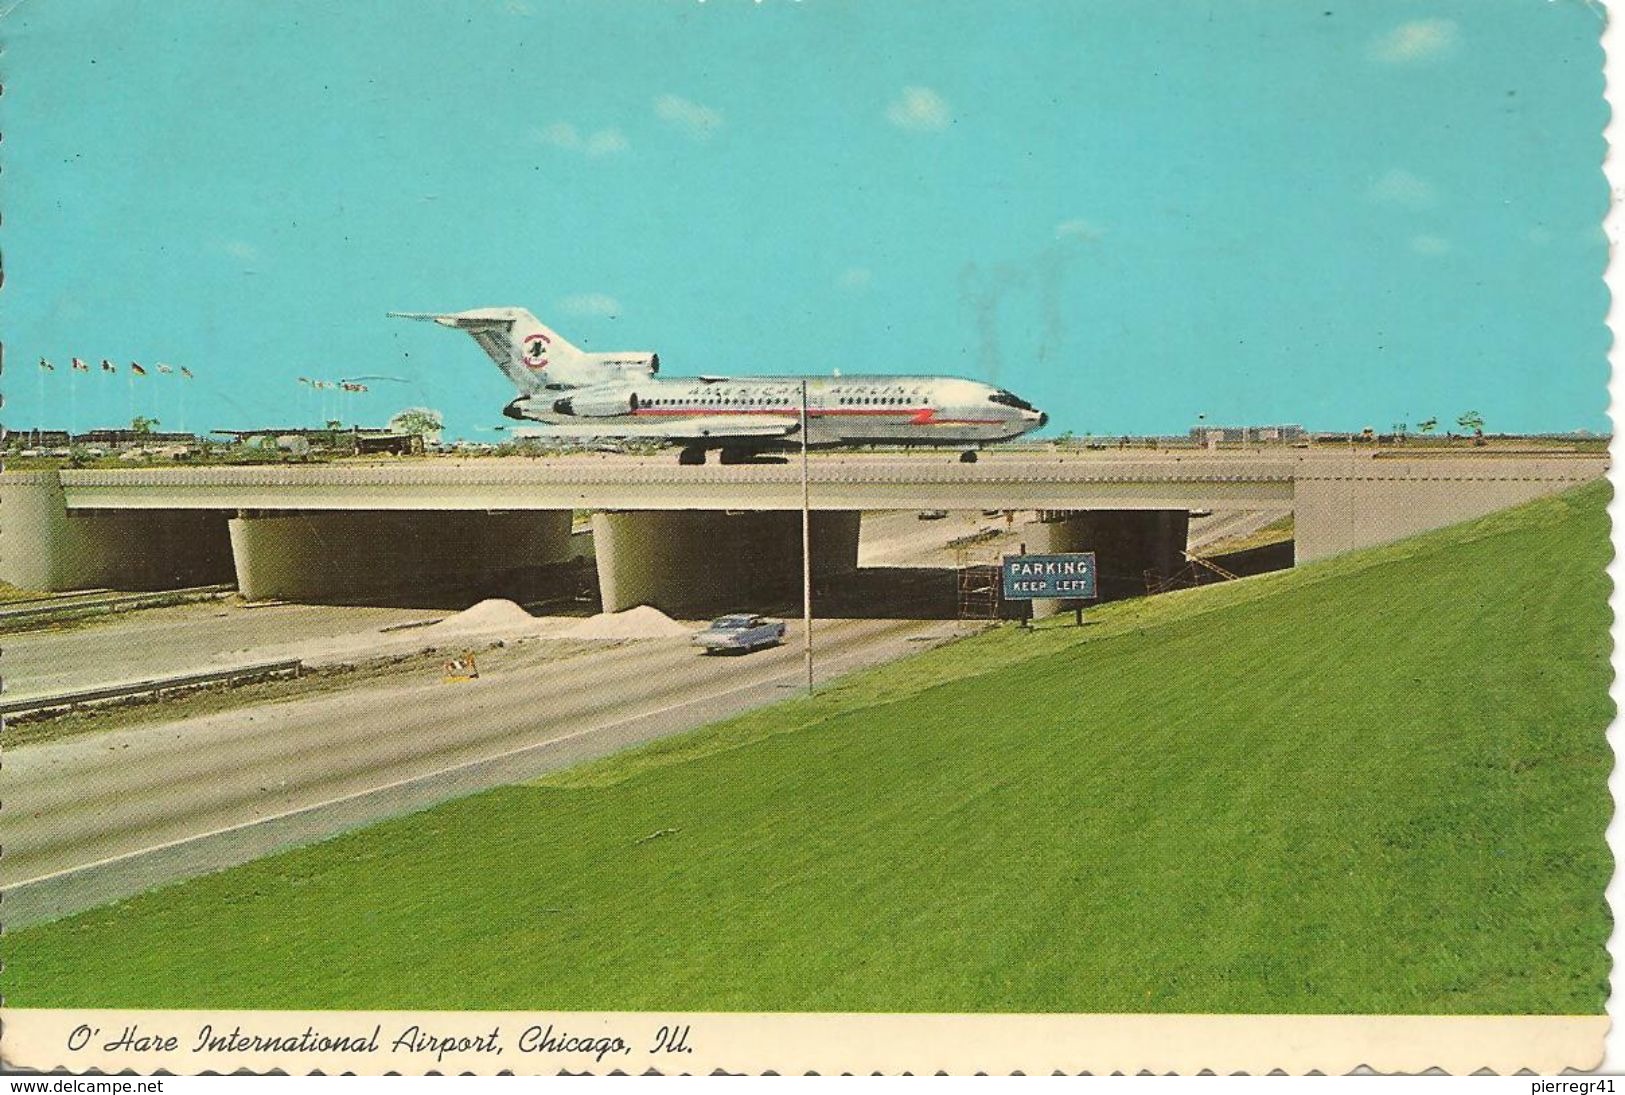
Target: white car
<point x="740" y="631"/>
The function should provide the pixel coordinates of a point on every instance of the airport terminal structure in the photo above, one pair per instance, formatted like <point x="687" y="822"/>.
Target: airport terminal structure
<point x="687" y="539"/>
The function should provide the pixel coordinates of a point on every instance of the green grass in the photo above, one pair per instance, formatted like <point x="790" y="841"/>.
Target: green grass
<point x="1376" y="784"/>
<point x="9" y="592"/>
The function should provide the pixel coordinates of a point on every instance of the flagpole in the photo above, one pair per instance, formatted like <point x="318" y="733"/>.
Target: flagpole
<point x="806" y="546"/>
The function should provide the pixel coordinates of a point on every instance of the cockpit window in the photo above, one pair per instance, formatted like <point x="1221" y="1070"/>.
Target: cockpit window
<point x="1009" y="399"/>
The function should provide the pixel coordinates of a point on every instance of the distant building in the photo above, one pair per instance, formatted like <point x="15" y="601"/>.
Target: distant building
<point x="1245" y="435"/>
<point x="401" y="444"/>
<point x="125" y="438"/>
<point x="299" y="440"/>
<point x="36" y="439"/>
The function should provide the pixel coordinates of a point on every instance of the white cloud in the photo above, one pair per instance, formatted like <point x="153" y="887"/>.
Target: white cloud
<point x="919" y="109"/>
<point x="856" y="278"/>
<point x="563" y="135"/>
<point x="697" y="121"/>
<point x="606" y="142"/>
<point x="590" y="304"/>
<point x="1077" y="229"/>
<point x="1430" y="245"/>
<point x="1415" y="41"/>
<point x="1400" y="187"/>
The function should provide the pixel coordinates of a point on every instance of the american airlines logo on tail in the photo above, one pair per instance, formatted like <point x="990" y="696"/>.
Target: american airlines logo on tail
<point x="535" y="350"/>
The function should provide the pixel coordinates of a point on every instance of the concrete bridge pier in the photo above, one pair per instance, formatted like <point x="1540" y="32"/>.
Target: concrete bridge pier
<point x="1126" y="543"/>
<point x="701" y="562"/>
<point x="320" y="554"/>
<point x="44" y="547"/>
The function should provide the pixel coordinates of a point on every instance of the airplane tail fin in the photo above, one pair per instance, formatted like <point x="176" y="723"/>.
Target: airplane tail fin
<point x="528" y="352"/>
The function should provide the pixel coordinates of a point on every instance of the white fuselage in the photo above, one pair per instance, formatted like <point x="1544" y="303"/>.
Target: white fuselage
<point x="897" y="410"/>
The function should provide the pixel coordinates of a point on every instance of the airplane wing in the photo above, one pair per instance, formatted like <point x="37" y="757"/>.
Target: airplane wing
<point x="689" y="430"/>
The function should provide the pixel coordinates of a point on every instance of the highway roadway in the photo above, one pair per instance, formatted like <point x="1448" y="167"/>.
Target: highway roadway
<point x="100" y="816"/>
<point x="1206" y="531"/>
<point x="179" y="639"/>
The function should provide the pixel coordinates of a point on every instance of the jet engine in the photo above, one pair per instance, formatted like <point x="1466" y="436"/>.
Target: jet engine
<point x="597" y="403"/>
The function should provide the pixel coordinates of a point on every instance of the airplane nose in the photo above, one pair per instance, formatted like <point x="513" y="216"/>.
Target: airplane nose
<point x="1043" y="419"/>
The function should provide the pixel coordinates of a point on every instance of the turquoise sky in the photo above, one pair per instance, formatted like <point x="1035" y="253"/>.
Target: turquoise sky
<point x="1130" y="213"/>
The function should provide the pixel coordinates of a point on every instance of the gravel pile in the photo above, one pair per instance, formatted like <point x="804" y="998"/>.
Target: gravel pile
<point x="641" y="622"/>
<point x="493" y="616"/>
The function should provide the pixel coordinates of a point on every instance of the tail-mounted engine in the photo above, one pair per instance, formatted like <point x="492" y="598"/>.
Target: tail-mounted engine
<point x="598" y="403"/>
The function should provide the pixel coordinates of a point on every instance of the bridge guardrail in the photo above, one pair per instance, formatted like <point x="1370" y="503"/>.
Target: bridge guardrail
<point x="255" y="671"/>
<point x="102" y="601"/>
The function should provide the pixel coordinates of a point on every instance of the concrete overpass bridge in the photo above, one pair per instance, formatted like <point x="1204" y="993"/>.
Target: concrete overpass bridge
<point x="689" y="536"/>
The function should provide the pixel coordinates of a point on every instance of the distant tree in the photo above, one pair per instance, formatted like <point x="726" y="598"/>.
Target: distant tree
<point x="334" y="424"/>
<point x="1400" y="429"/>
<point x="142" y="426"/>
<point x="420" y="422"/>
<point x="1472" y="422"/>
<point x="1427" y="425"/>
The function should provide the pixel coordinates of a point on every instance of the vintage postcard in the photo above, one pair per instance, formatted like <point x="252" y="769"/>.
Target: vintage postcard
<point x="555" y="536"/>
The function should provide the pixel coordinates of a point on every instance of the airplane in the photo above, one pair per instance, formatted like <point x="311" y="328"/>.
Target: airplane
<point x="586" y="397"/>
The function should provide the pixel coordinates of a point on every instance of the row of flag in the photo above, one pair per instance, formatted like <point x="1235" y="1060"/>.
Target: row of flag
<point x="80" y="366"/>
<point x="340" y="385"/>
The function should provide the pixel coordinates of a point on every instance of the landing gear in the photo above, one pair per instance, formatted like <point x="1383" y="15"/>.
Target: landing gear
<point x="694" y="455"/>
<point x="968" y="456"/>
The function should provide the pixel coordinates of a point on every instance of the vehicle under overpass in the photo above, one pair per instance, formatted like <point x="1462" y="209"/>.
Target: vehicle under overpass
<point x="693" y="538"/>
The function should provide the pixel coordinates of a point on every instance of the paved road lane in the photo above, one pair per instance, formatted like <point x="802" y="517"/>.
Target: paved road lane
<point x="318" y="765"/>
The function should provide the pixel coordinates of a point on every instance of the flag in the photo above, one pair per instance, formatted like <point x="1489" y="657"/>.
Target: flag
<point x="108" y="366"/>
<point x="46" y="365"/>
<point x="79" y="366"/>
<point x="187" y="373"/>
<point x="164" y="368"/>
<point x="137" y="370"/>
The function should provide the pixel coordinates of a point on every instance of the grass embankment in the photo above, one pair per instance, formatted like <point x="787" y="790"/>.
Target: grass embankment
<point x="1377" y="784"/>
<point x="9" y="593"/>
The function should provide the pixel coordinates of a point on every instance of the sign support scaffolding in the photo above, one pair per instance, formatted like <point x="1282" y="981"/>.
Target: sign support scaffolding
<point x="806" y="547"/>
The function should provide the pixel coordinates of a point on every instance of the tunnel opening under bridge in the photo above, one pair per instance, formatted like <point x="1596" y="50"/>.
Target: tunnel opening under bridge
<point x="690" y="564"/>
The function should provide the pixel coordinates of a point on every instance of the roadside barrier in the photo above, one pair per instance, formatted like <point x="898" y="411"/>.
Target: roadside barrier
<point x="239" y="674"/>
<point x="49" y="609"/>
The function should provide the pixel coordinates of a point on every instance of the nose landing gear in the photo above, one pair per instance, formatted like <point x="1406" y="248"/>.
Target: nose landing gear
<point x="968" y="456"/>
<point x="693" y="454"/>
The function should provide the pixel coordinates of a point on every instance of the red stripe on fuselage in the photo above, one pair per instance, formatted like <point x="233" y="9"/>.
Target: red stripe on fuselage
<point x="925" y="416"/>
